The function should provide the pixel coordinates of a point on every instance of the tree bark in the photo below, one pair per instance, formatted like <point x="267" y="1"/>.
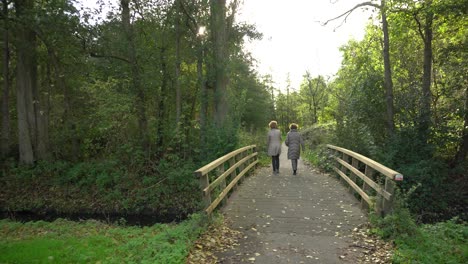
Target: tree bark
<point x="218" y="24"/>
<point x="5" y="141"/>
<point x="177" y="65"/>
<point x="388" y="83"/>
<point x="140" y="102"/>
<point x="425" y="119"/>
<point x="41" y="122"/>
<point x="462" y="152"/>
<point x="162" y="98"/>
<point x="67" y="117"/>
<point x="203" y="95"/>
<point x="24" y="81"/>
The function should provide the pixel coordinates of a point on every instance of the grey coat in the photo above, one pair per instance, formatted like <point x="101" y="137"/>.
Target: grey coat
<point x="274" y="142"/>
<point x="294" y="142"/>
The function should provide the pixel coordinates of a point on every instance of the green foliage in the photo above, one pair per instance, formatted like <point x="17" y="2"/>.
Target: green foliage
<point x="445" y="242"/>
<point x="256" y="137"/>
<point x="320" y="157"/>
<point x="90" y="242"/>
<point x="399" y="223"/>
<point x="100" y="187"/>
<point x="315" y="138"/>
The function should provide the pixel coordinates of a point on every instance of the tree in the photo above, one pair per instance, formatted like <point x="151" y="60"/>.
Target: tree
<point x="427" y="35"/>
<point x="313" y="91"/>
<point x="25" y="80"/>
<point x="140" y="102"/>
<point x="388" y="83"/>
<point x="218" y="30"/>
<point x="5" y="140"/>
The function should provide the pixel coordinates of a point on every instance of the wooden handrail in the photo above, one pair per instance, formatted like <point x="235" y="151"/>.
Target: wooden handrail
<point x="241" y="160"/>
<point x="374" y="164"/>
<point x="350" y="172"/>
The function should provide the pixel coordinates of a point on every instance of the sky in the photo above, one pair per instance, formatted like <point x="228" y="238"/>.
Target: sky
<point x="293" y="39"/>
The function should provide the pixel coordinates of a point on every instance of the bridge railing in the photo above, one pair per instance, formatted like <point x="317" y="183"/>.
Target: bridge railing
<point x="374" y="182"/>
<point x="222" y="175"/>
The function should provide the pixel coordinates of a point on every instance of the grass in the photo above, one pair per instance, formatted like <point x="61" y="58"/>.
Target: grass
<point x="64" y="241"/>
<point x="445" y="242"/>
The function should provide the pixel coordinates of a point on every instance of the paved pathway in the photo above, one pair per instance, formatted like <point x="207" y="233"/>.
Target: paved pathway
<point x="305" y="218"/>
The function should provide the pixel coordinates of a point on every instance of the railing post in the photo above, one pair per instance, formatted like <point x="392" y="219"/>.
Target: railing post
<point x="204" y="182"/>
<point x="387" y="205"/>
<point x="256" y="157"/>
<point x="219" y="171"/>
<point x="369" y="172"/>
<point x="345" y="158"/>
<point x="241" y="167"/>
<point x="233" y="175"/>
<point x="355" y="164"/>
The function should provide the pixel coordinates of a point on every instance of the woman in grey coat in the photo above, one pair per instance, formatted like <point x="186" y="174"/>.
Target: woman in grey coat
<point x="274" y="145"/>
<point x="294" y="142"/>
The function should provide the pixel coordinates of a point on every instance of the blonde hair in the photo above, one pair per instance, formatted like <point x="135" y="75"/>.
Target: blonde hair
<point x="273" y="124"/>
<point x="293" y="126"/>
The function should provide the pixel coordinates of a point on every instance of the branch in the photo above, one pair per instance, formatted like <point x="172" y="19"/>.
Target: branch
<point x="94" y="55"/>
<point x="415" y="16"/>
<point x="192" y="28"/>
<point x="347" y="13"/>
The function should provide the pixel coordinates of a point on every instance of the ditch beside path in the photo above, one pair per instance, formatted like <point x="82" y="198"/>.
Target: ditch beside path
<point x="285" y="218"/>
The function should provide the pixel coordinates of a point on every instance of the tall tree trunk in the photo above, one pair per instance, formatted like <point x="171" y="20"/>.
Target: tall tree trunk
<point x="218" y="24"/>
<point x="462" y="152"/>
<point x="5" y="141"/>
<point x="388" y="83"/>
<point x="162" y="98"/>
<point x="67" y="115"/>
<point x="177" y="65"/>
<point x="203" y="96"/>
<point x="425" y="119"/>
<point x="140" y="102"/>
<point x="41" y="122"/>
<point x="24" y="81"/>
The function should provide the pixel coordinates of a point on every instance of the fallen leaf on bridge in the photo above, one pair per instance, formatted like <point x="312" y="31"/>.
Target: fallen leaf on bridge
<point x="218" y="238"/>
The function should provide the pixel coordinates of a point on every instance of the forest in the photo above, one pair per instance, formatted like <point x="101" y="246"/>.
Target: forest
<point x="108" y="111"/>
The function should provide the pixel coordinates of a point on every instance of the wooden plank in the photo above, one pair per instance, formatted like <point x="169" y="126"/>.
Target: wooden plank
<point x="368" y="171"/>
<point x="387" y="205"/>
<point x="223" y="176"/>
<point x="369" y="181"/>
<point x="354" y="185"/>
<point x="374" y="164"/>
<point x="212" y="165"/>
<point x="205" y="181"/>
<point x="355" y="164"/>
<point x="233" y="174"/>
<point x="220" y="197"/>
<point x="222" y="184"/>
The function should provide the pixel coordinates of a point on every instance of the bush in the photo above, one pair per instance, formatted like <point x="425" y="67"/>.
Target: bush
<point x="101" y="187"/>
<point x="399" y="223"/>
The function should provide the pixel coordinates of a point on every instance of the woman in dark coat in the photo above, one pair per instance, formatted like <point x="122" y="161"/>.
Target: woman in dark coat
<point x="294" y="142"/>
<point x="274" y="145"/>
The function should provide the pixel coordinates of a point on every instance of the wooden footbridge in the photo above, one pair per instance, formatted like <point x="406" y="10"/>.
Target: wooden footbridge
<point x="304" y="218"/>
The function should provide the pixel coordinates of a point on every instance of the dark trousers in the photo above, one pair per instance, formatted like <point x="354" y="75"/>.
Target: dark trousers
<point x="294" y="164"/>
<point x="275" y="162"/>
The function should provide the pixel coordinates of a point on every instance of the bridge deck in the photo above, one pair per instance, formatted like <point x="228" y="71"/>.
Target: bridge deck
<point x="306" y="218"/>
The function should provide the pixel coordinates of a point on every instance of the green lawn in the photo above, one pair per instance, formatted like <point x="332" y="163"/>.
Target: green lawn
<point x="445" y="242"/>
<point x="65" y="241"/>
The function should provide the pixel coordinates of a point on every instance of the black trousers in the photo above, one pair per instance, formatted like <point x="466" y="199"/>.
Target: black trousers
<point x="275" y="162"/>
<point x="294" y="164"/>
